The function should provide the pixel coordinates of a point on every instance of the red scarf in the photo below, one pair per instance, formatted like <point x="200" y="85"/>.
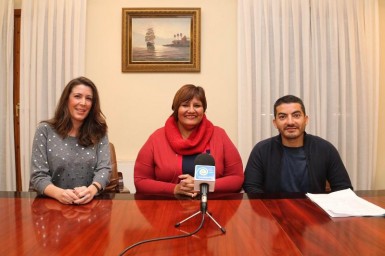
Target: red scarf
<point x="197" y="141"/>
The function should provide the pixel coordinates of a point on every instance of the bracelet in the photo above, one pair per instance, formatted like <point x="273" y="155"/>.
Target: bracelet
<point x="97" y="187"/>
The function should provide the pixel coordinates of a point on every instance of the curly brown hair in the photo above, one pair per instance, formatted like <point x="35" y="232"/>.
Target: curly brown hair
<point x="94" y="126"/>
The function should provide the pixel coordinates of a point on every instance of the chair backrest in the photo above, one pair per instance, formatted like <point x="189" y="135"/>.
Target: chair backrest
<point x="113" y="186"/>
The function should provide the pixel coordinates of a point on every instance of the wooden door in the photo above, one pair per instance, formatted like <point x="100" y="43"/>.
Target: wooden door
<point x="16" y="94"/>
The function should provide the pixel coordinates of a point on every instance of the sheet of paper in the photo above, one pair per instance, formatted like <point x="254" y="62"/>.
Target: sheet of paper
<point x="345" y="203"/>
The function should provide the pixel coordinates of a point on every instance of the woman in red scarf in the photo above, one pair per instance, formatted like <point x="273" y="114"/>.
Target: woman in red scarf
<point x="165" y="163"/>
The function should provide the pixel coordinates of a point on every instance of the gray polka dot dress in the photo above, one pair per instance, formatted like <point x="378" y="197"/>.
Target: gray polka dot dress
<point x="65" y="163"/>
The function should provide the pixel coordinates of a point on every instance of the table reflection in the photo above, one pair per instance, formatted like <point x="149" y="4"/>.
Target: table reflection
<point x="58" y="226"/>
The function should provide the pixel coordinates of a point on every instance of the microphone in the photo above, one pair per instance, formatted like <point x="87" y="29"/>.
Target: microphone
<point x="204" y="177"/>
<point x="204" y="181"/>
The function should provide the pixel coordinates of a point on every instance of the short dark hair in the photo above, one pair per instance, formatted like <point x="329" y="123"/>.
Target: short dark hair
<point x="94" y="126"/>
<point x="286" y="100"/>
<point x="186" y="93"/>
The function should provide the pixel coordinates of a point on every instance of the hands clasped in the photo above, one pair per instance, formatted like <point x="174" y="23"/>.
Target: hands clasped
<point x="185" y="186"/>
<point x="78" y="195"/>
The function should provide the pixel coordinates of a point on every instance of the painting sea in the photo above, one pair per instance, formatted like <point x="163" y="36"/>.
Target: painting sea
<point x="161" y="54"/>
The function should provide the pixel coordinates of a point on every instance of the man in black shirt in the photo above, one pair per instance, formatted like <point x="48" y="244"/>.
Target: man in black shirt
<point x="294" y="161"/>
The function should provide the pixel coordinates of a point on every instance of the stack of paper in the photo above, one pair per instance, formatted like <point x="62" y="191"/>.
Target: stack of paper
<point x="345" y="203"/>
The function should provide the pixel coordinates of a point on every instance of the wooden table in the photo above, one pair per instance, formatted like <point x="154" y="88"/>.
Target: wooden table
<point x="255" y="225"/>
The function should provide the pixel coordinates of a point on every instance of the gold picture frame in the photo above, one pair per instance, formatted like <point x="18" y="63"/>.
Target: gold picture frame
<point x="161" y="39"/>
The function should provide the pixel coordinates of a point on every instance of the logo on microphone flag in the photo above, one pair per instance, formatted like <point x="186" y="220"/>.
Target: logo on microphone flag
<point x="204" y="172"/>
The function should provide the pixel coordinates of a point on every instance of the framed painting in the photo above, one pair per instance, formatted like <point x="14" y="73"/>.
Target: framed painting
<point x="161" y="40"/>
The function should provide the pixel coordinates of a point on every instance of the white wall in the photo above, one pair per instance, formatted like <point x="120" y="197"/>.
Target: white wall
<point x="136" y="104"/>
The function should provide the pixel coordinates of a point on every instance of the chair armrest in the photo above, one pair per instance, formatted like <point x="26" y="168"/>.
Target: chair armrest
<point x="122" y="188"/>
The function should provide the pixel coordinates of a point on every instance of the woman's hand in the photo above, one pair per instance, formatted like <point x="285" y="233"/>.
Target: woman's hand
<point x="66" y="196"/>
<point x="85" y="194"/>
<point x="78" y="195"/>
<point x="185" y="186"/>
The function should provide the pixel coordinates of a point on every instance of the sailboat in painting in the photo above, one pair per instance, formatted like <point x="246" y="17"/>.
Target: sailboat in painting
<point x="149" y="38"/>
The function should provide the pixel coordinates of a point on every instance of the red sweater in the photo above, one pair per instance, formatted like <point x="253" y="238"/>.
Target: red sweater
<point x="158" y="166"/>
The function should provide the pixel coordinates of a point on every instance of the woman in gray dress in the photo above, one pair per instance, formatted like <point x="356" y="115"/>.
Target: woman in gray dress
<point x="70" y="152"/>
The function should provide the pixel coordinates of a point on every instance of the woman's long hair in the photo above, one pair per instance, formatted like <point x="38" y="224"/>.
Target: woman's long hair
<point x="94" y="126"/>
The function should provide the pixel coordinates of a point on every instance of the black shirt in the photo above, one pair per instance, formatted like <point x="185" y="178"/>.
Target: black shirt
<point x="294" y="176"/>
<point x="188" y="166"/>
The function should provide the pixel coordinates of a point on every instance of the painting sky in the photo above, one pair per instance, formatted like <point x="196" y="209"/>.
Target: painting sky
<point x="164" y="29"/>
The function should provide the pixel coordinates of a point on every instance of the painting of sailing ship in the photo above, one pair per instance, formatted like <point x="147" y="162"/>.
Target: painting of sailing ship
<point x="161" y="40"/>
<point x="149" y="39"/>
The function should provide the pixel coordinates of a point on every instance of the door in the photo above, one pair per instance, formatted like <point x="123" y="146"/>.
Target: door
<point x="16" y="95"/>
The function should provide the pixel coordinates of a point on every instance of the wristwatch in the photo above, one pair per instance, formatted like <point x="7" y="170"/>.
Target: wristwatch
<point x="97" y="187"/>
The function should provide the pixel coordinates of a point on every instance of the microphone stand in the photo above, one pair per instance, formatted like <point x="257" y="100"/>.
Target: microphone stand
<point x="203" y="210"/>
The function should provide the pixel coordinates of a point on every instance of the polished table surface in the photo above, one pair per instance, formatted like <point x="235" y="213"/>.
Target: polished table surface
<point x="255" y="225"/>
